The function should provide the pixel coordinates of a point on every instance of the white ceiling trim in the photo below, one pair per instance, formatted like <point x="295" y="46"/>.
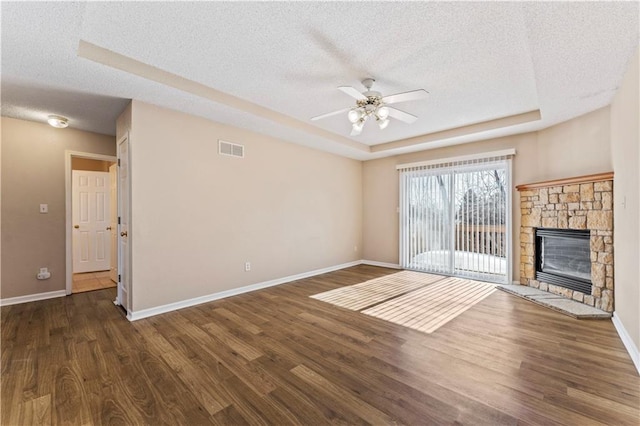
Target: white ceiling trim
<point x="471" y="129"/>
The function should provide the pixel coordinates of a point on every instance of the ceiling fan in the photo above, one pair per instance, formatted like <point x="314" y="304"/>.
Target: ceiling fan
<point x="372" y="104"/>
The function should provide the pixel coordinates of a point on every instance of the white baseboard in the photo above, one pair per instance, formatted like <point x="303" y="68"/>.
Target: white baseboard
<point x="32" y="297"/>
<point x="381" y="264"/>
<point x="627" y="341"/>
<point x="145" y="313"/>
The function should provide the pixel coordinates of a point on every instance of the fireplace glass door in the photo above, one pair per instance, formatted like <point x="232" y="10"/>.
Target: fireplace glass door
<point x="563" y="257"/>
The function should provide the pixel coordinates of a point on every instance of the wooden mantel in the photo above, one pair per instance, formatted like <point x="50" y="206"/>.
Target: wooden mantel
<point x="569" y="181"/>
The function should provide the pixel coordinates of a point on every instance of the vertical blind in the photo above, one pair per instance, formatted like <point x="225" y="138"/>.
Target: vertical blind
<point x="455" y="217"/>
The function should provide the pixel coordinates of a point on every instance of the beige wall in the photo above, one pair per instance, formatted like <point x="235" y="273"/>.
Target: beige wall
<point x="576" y="147"/>
<point x="625" y="140"/>
<point x="33" y="163"/>
<point x="90" y="165"/>
<point x="199" y="216"/>
<point x="533" y="162"/>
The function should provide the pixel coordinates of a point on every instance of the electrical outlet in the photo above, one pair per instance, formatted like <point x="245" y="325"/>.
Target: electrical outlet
<point x="44" y="208"/>
<point x="247" y="266"/>
<point x="355" y="248"/>
<point x="44" y="274"/>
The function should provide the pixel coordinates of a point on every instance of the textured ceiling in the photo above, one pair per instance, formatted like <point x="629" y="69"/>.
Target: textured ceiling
<point x="479" y="61"/>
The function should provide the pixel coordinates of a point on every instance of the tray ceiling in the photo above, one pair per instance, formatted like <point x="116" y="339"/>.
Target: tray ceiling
<point x="271" y="66"/>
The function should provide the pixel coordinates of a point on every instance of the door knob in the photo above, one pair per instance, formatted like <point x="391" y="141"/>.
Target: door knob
<point x="123" y="234"/>
<point x="76" y="226"/>
<point x="108" y="228"/>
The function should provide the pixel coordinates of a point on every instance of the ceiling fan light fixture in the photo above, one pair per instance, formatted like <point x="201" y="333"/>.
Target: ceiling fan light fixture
<point x="371" y="104"/>
<point x="58" y="121"/>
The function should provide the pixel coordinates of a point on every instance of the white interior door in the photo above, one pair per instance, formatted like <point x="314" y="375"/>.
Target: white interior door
<point x="113" y="226"/>
<point x="124" y="259"/>
<point x="90" y="201"/>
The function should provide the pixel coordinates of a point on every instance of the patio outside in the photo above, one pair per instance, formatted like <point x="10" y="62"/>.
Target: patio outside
<point x="467" y="238"/>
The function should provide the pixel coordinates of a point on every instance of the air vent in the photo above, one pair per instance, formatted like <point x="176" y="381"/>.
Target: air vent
<point x="232" y="149"/>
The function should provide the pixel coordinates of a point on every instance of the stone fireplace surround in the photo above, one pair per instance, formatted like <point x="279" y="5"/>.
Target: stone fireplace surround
<point x="584" y="202"/>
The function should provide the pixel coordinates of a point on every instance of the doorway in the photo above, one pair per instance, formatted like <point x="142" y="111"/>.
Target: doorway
<point x="90" y="217"/>
<point x="455" y="218"/>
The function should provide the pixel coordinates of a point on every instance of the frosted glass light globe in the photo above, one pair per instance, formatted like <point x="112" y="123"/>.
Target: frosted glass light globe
<point x="354" y="115"/>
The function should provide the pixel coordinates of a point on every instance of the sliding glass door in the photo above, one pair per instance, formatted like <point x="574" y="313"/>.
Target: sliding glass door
<point x="455" y="218"/>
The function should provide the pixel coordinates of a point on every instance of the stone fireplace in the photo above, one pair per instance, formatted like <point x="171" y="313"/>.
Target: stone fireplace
<point x="577" y="264"/>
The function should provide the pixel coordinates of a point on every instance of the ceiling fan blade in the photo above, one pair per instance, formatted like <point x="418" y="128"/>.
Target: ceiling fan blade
<point x="353" y="93"/>
<point x="329" y="114"/>
<point x="414" y="95"/>
<point x="402" y="116"/>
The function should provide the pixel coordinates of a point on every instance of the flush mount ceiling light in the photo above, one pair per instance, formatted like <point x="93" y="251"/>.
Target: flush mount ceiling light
<point x="58" y="121"/>
<point x="372" y="104"/>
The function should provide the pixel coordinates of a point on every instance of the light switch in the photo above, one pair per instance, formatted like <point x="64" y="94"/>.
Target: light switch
<point x="44" y="208"/>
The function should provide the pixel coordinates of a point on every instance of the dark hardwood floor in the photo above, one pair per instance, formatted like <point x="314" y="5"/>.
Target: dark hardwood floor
<point x="278" y="357"/>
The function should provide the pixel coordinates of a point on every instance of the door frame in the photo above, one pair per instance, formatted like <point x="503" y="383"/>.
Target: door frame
<point x="122" y="255"/>
<point x="402" y="204"/>
<point x="68" y="157"/>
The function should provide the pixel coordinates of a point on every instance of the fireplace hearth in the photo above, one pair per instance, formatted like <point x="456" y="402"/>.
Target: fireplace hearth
<point x="563" y="258"/>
